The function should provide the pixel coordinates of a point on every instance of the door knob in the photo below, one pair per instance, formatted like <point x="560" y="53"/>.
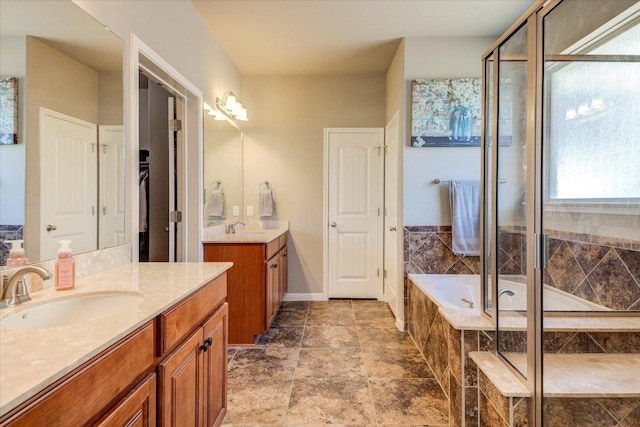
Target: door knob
<point x="51" y="227"/>
<point x="333" y="224"/>
<point x="392" y="228"/>
<point x="166" y="229"/>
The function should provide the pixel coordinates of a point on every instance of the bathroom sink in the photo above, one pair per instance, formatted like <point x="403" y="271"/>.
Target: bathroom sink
<point x="71" y="310"/>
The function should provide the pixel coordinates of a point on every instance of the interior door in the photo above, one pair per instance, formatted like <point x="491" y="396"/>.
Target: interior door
<point x="354" y="212"/>
<point x="391" y="233"/>
<point x="68" y="183"/>
<point x="111" y="226"/>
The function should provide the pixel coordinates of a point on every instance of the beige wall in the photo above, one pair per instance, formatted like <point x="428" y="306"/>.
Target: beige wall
<point x="284" y="144"/>
<point x="62" y="84"/>
<point x="426" y="203"/>
<point x="110" y="94"/>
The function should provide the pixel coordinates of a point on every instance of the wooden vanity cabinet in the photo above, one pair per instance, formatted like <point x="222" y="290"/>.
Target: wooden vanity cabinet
<point x="172" y="371"/>
<point x="257" y="284"/>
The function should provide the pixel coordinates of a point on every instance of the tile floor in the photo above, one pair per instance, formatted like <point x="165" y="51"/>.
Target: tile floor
<point x="338" y="362"/>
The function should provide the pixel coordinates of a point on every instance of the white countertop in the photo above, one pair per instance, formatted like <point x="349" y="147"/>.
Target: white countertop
<point x="245" y="235"/>
<point x="31" y="360"/>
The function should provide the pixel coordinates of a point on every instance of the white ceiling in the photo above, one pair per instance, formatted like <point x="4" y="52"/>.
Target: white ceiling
<point x="304" y="37"/>
<point x="66" y="27"/>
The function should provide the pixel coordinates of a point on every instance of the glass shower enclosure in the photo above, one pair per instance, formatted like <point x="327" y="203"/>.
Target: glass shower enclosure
<point x="561" y="208"/>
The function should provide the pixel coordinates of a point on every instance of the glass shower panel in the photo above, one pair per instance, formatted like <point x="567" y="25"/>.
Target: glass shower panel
<point x="511" y="221"/>
<point x="591" y="196"/>
<point x="487" y="150"/>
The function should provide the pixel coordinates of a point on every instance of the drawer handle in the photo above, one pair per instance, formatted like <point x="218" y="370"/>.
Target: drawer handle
<point x="207" y="344"/>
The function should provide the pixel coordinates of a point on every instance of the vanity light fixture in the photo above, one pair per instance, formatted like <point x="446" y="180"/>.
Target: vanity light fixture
<point x="231" y="107"/>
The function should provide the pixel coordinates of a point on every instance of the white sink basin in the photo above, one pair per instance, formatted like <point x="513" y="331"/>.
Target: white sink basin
<point x="71" y="310"/>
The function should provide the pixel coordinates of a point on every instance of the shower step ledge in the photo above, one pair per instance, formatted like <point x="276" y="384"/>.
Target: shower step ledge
<point x="581" y="375"/>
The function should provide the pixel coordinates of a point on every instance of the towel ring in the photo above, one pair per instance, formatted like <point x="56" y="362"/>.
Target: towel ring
<point x="264" y="185"/>
<point x="217" y="185"/>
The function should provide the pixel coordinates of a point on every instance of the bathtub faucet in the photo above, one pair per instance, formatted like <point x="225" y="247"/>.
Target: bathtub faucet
<point x="505" y="291"/>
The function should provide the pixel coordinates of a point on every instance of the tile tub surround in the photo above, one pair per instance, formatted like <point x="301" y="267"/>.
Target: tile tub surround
<point x="32" y="360"/>
<point x="604" y="391"/>
<point x="333" y="362"/>
<point x="603" y="270"/>
<point x="446" y="337"/>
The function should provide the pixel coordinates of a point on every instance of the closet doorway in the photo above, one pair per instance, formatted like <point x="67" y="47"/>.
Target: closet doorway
<point x="159" y="217"/>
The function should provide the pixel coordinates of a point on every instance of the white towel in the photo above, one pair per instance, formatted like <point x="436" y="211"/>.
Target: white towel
<point x="465" y="216"/>
<point x="215" y="205"/>
<point x="266" y="202"/>
<point x="142" y="209"/>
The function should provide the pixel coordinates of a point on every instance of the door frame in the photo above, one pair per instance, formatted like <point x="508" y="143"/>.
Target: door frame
<point x="190" y="143"/>
<point x="325" y="208"/>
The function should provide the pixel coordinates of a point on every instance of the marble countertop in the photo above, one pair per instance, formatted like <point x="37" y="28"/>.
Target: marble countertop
<point x="31" y="360"/>
<point x="580" y="375"/>
<point x="251" y="232"/>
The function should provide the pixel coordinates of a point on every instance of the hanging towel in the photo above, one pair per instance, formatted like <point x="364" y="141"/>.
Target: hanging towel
<point x="142" y="209"/>
<point x="265" y="201"/>
<point x="216" y="199"/>
<point x="464" y="196"/>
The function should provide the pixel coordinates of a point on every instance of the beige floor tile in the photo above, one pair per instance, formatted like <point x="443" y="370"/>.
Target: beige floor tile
<point x="290" y="319"/>
<point x="331" y="317"/>
<point x="283" y="337"/>
<point x="330" y="401"/>
<point x="330" y="336"/>
<point x="261" y="401"/>
<point x="384" y="362"/>
<point x="320" y="362"/>
<point x="264" y="362"/>
<point x="383" y="337"/>
<point x="409" y="401"/>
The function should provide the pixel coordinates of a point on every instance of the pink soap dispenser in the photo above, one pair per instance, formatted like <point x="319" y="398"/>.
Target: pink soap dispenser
<point x="16" y="254"/>
<point x="65" y="267"/>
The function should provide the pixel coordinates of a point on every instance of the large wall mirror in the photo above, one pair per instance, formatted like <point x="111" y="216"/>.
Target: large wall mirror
<point x="222" y="171"/>
<point x="65" y="177"/>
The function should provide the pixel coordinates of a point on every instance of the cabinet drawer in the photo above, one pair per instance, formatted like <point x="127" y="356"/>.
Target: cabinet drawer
<point x="77" y="398"/>
<point x="177" y="322"/>
<point x="272" y="249"/>
<point x="282" y="240"/>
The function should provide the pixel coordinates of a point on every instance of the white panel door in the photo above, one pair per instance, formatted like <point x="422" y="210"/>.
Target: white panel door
<point x="111" y="225"/>
<point x="391" y="233"/>
<point x="354" y="212"/>
<point x="68" y="183"/>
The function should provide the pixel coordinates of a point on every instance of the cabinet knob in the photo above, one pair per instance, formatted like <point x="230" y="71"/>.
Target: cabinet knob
<point x="275" y="265"/>
<point x="207" y="343"/>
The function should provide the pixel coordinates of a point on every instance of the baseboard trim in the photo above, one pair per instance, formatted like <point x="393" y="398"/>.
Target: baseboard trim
<point x="304" y="297"/>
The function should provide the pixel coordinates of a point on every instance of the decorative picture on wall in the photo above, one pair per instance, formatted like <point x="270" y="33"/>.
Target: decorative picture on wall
<point x="8" y="110"/>
<point x="445" y="112"/>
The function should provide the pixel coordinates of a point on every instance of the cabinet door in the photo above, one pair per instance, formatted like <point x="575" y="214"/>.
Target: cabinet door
<point x="215" y="367"/>
<point x="272" y="289"/>
<point x="284" y="279"/>
<point x="137" y="409"/>
<point x="181" y="384"/>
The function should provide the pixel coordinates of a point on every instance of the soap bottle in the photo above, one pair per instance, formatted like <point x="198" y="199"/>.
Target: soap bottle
<point x="65" y="267"/>
<point x="16" y="254"/>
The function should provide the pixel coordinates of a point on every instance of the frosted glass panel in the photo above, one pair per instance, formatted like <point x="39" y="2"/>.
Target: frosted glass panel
<point x="594" y="146"/>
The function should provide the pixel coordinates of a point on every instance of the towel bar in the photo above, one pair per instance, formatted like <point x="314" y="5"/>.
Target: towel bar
<point x="441" y="181"/>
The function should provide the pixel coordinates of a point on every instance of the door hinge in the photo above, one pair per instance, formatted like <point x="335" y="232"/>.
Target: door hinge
<point x="384" y="273"/>
<point x="175" y="125"/>
<point x="378" y="211"/>
<point x="378" y="272"/>
<point x="175" y="216"/>
<point x="542" y="251"/>
<point x="104" y="210"/>
<point x="104" y="148"/>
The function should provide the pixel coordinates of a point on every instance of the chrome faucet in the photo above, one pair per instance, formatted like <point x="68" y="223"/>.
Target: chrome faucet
<point x="507" y="291"/>
<point x="503" y="291"/>
<point x="14" y="289"/>
<point x="231" y="228"/>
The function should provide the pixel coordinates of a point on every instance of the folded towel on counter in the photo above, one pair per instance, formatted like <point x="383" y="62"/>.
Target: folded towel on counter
<point x="464" y="196"/>
<point x="265" y="204"/>
<point x="215" y="206"/>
